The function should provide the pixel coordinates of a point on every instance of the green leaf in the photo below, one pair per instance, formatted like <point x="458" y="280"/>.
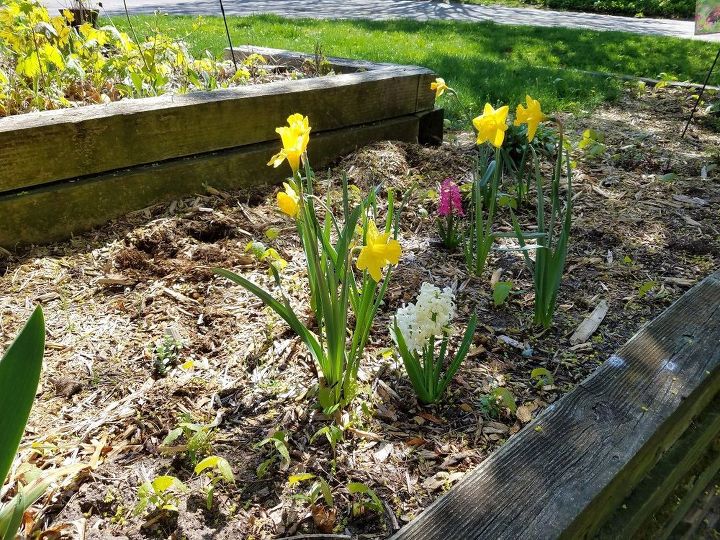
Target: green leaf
<point x="163" y="483"/>
<point x="272" y="233"/>
<point x="501" y="291"/>
<point x="19" y="376"/>
<point x="209" y="462"/>
<point x="646" y="288"/>
<point x="542" y="377"/>
<point x="172" y="436"/>
<point x="302" y="477"/>
<point x="505" y="396"/>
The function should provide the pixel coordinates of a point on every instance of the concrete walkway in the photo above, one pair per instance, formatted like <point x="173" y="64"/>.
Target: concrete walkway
<point x="421" y="10"/>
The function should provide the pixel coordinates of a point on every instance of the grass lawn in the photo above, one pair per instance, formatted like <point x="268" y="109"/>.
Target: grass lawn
<point x="673" y="9"/>
<point x="482" y="61"/>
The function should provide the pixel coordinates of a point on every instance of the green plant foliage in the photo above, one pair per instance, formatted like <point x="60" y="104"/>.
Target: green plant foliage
<point x="479" y="236"/>
<point x="217" y="470"/>
<point x="553" y="235"/>
<point x="281" y="452"/>
<point x="501" y="291"/>
<point x="366" y="499"/>
<point x="335" y="289"/>
<point x="542" y="377"/>
<point x="161" y="493"/>
<point x="45" y="63"/>
<point x="198" y="438"/>
<point x="493" y="403"/>
<point x="19" y="377"/>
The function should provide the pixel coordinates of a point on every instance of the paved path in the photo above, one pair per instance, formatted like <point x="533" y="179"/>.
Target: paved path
<point x="422" y="10"/>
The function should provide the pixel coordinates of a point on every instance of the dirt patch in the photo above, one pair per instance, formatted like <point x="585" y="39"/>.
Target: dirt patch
<point x="141" y="293"/>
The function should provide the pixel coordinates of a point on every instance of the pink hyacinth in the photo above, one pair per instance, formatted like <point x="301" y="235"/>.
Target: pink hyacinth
<point x="450" y="201"/>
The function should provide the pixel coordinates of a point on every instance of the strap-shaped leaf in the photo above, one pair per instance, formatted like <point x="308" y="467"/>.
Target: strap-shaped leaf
<point x="19" y="377"/>
<point x="285" y="312"/>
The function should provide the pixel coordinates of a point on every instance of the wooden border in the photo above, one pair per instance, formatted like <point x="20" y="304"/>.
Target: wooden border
<point x="65" y="152"/>
<point x="565" y="473"/>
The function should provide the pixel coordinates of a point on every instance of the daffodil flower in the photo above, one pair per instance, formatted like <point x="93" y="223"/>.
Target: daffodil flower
<point x="295" y="137"/>
<point x="491" y="125"/>
<point x="532" y="116"/>
<point x="378" y="252"/>
<point x="439" y="87"/>
<point x="288" y="201"/>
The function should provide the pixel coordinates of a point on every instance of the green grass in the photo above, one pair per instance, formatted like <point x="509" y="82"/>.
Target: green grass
<point x="674" y="9"/>
<point x="482" y="61"/>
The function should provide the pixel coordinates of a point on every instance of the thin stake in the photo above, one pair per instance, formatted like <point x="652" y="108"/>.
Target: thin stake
<point x="702" y="90"/>
<point x="227" y="31"/>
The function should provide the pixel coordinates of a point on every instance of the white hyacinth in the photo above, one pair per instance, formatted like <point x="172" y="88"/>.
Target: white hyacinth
<point x="429" y="316"/>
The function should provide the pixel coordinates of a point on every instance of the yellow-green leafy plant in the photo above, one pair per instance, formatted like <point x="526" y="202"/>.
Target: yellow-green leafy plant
<point x="45" y="63"/>
<point x="198" y="438"/>
<point x="418" y="329"/>
<point x="553" y="230"/>
<point x="19" y="377"/>
<point x="160" y="493"/>
<point x="280" y="452"/>
<point x="335" y="288"/>
<point x="499" y="398"/>
<point x="217" y="470"/>
<point x="364" y="499"/>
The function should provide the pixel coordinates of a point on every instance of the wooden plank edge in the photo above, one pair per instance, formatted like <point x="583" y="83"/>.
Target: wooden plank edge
<point x="76" y="115"/>
<point x="54" y="213"/>
<point x="296" y="59"/>
<point x="700" y="483"/>
<point x="431" y="524"/>
<point x="111" y="140"/>
<point x="652" y="492"/>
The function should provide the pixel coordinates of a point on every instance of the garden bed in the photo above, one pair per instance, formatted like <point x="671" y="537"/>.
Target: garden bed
<point x="126" y="155"/>
<point x="640" y="239"/>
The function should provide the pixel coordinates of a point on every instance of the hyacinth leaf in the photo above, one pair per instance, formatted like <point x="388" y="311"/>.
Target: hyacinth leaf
<point x="19" y="376"/>
<point x="460" y="354"/>
<point x="412" y="366"/>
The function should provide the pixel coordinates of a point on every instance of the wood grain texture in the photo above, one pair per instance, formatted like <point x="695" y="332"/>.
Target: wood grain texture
<point x="51" y="213"/>
<point x="570" y="468"/>
<point x="50" y="146"/>
<point x="673" y="469"/>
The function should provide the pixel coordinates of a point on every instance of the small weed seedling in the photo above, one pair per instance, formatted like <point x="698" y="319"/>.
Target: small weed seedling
<point x="198" y="438"/>
<point x="281" y="452"/>
<point x="493" y="403"/>
<point x="366" y="499"/>
<point x="324" y="515"/>
<point x="501" y="291"/>
<point x="166" y="354"/>
<point x="542" y="377"/>
<point x="217" y="470"/>
<point x="162" y="493"/>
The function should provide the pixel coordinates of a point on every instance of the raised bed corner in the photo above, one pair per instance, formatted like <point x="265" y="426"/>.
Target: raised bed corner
<point x="69" y="170"/>
<point x="605" y="460"/>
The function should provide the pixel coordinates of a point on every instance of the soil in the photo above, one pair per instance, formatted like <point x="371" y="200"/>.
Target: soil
<point x="645" y="229"/>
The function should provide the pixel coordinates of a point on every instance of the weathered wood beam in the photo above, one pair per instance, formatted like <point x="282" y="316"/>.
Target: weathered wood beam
<point x="49" y="146"/>
<point x="565" y="472"/>
<point x="55" y="211"/>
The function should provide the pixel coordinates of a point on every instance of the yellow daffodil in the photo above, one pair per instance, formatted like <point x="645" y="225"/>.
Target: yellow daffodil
<point x="379" y="251"/>
<point x="288" y="201"/>
<point x="295" y="137"/>
<point x="532" y="116"/>
<point x="439" y="87"/>
<point x="491" y="125"/>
